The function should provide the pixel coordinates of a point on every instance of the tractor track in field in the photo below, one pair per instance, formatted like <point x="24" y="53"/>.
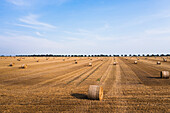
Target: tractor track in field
<point x="39" y="75"/>
<point x="99" y="76"/>
<point x="40" y="70"/>
<point x="32" y="64"/>
<point x="40" y="65"/>
<point x="106" y="73"/>
<point x="127" y="75"/>
<point x="162" y="66"/>
<point x="61" y="78"/>
<point x="151" y="66"/>
<point x="36" y="72"/>
<point x="91" y="69"/>
<point x="161" y="60"/>
<point x="147" y="74"/>
<point x="90" y="74"/>
<point x="153" y="63"/>
<point x="154" y="67"/>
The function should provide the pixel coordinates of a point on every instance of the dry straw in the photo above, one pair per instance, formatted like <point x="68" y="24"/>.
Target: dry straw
<point x="164" y="60"/>
<point x="159" y="63"/>
<point x="11" y="64"/>
<point x="18" y="59"/>
<point x="164" y="74"/>
<point x="24" y="66"/>
<point x="95" y="92"/>
<point x="90" y="64"/>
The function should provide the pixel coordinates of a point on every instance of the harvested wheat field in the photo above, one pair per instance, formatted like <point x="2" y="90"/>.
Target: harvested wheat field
<point x="61" y="85"/>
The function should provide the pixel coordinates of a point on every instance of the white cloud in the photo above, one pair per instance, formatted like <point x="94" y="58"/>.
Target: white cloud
<point x="39" y="34"/>
<point x="28" y="44"/>
<point x="36" y="2"/>
<point x="78" y="32"/>
<point x="18" y="2"/>
<point x="158" y="31"/>
<point x="29" y="26"/>
<point x="33" y="20"/>
<point x="145" y="19"/>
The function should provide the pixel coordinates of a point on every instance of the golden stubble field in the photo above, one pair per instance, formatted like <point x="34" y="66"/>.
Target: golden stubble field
<point x="57" y="84"/>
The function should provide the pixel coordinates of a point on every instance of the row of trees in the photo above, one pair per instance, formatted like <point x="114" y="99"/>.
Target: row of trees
<point x="101" y="55"/>
<point x="51" y="55"/>
<point x="148" y="55"/>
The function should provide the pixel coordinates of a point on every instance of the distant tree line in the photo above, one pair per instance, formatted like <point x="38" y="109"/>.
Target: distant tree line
<point x="101" y="55"/>
<point x="149" y="55"/>
<point x="51" y="55"/>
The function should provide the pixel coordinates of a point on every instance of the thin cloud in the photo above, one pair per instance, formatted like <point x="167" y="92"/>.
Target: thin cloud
<point x="158" y="31"/>
<point x="24" y="3"/>
<point x="28" y="26"/>
<point x="39" y="34"/>
<point x="18" y="2"/>
<point x="140" y="20"/>
<point x="24" y="44"/>
<point x="31" y="21"/>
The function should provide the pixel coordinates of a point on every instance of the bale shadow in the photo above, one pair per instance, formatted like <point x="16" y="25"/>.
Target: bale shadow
<point x="155" y="77"/>
<point x="87" y="66"/>
<point x="21" y="68"/>
<point x="79" y="96"/>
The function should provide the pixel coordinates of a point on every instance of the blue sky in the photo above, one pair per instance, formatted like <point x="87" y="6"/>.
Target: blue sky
<point x="84" y="26"/>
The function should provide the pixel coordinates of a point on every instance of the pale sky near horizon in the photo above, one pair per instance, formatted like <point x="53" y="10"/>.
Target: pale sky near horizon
<point x="84" y="27"/>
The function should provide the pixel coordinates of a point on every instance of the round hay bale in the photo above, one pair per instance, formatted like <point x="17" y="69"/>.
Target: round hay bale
<point x="18" y="59"/>
<point x="95" y="92"/>
<point x="159" y="63"/>
<point x="24" y="66"/>
<point x="164" y="60"/>
<point x="90" y="64"/>
<point x="114" y="63"/>
<point x="135" y="62"/>
<point x="11" y="64"/>
<point x="164" y="74"/>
